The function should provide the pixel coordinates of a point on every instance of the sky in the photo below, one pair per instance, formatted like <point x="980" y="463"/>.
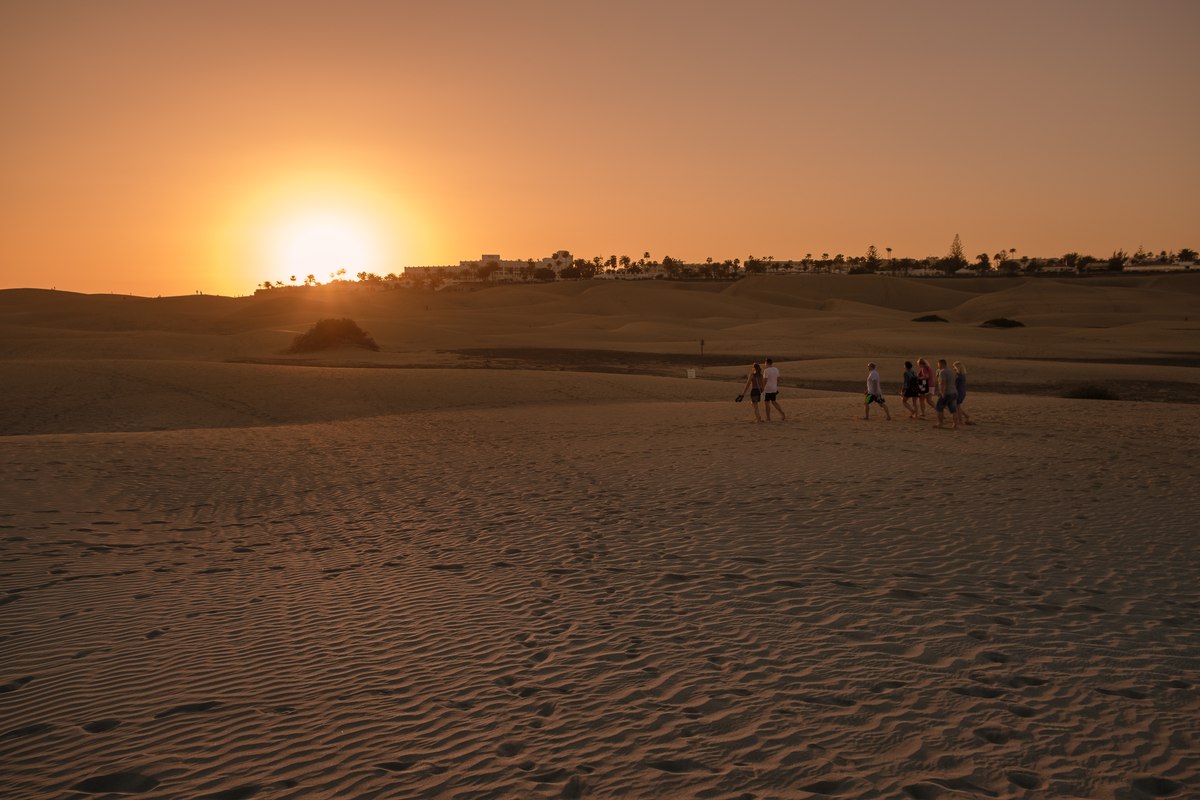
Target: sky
<point x="153" y="147"/>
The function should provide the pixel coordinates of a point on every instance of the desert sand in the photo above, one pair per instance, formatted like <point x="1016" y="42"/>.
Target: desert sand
<point x="518" y="553"/>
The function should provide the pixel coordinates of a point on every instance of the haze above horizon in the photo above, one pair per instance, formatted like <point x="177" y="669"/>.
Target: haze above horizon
<point x="163" y="148"/>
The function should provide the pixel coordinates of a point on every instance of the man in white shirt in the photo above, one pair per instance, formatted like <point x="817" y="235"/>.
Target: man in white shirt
<point x="771" y="390"/>
<point x="874" y="393"/>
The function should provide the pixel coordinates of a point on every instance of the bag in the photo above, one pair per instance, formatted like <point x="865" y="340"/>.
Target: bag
<point x="738" y="399"/>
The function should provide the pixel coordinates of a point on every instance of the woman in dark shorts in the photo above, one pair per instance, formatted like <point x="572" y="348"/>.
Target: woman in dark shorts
<point x="908" y="392"/>
<point x="924" y="383"/>
<point x="754" y="385"/>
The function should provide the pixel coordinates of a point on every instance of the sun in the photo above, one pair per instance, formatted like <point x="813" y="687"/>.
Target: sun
<point x="323" y="243"/>
<point x="302" y="225"/>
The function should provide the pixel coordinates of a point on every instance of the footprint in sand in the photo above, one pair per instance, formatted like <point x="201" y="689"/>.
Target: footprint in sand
<point x="1156" y="787"/>
<point x="101" y="725"/>
<point x="28" y="730"/>
<point x="1131" y="694"/>
<point x="1026" y="780"/>
<point x="574" y="788"/>
<point x="1021" y="681"/>
<point x="987" y="692"/>
<point x="189" y="708"/>
<point x="993" y="735"/>
<point x="15" y="684"/>
<point x="832" y="788"/>
<point x="678" y="766"/>
<point x="116" y="783"/>
<point x="236" y="793"/>
<point x="510" y="748"/>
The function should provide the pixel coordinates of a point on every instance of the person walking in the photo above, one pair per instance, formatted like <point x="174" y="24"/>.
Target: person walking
<point x="908" y="391"/>
<point x="771" y="390"/>
<point x="924" y="385"/>
<point x="874" y="393"/>
<point x="947" y="396"/>
<point x="754" y="385"/>
<point x="960" y="390"/>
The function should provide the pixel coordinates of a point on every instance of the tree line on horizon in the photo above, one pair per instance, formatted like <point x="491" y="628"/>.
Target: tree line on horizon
<point x="1003" y="261"/>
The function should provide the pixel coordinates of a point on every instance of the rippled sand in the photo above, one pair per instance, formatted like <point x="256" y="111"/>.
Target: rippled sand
<point x="518" y="554"/>
<point x="642" y="599"/>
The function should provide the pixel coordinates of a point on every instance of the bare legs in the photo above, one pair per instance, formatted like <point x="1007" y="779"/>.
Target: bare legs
<point x="867" y="411"/>
<point x="925" y="401"/>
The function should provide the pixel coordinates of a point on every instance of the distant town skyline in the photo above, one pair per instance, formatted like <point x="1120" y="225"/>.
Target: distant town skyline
<point x="165" y="148"/>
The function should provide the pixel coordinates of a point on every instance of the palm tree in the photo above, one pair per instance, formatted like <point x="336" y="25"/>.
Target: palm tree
<point x="484" y="271"/>
<point x="889" y="251"/>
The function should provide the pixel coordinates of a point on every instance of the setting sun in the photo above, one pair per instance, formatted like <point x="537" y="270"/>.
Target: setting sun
<point x="321" y="243"/>
<point x="321" y="222"/>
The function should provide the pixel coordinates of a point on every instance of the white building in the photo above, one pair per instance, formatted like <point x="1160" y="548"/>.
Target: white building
<point x="499" y="270"/>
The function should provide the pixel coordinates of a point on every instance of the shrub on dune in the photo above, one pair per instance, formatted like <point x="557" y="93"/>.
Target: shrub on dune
<point x="1002" y="322"/>
<point x="931" y="318"/>
<point x="329" y="333"/>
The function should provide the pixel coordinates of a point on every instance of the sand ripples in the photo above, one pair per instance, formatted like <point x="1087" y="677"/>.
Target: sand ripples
<point x="631" y="601"/>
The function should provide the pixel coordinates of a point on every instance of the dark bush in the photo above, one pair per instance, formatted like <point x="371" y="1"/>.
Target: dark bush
<point x="930" y="318"/>
<point x="1090" y="392"/>
<point x="333" y="333"/>
<point x="1002" y="322"/>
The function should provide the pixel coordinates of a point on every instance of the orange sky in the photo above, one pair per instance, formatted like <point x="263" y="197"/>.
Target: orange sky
<point x="150" y="147"/>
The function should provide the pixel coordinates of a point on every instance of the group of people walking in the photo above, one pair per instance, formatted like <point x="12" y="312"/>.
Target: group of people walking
<point x="923" y="389"/>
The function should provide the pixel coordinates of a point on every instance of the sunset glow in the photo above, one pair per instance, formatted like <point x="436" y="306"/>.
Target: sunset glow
<point x="319" y="243"/>
<point x="134" y="159"/>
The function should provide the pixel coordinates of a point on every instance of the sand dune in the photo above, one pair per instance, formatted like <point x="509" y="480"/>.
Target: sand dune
<point x="605" y="601"/>
<point x="517" y="553"/>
